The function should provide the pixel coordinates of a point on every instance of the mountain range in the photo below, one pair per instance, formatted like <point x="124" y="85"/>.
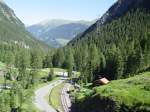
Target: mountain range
<point x="58" y="32"/>
<point x="13" y="30"/>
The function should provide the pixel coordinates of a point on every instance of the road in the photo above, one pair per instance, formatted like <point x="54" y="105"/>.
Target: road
<point x="40" y="101"/>
<point x="65" y="99"/>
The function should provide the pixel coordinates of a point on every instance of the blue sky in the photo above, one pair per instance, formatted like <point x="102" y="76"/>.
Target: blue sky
<point x="34" y="11"/>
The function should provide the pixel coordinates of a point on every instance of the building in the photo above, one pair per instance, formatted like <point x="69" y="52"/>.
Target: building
<point x="101" y="81"/>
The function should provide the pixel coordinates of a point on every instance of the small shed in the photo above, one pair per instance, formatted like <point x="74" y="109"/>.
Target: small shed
<point x="101" y="81"/>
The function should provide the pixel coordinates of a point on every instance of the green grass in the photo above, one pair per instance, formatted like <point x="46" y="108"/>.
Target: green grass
<point x="59" y="70"/>
<point x="1" y="79"/>
<point x="29" y="107"/>
<point x="129" y="91"/>
<point x="43" y="73"/>
<point x="55" y="70"/>
<point x="132" y="93"/>
<point x="37" y="86"/>
<point x="29" y="104"/>
<point x="54" y="97"/>
<point x="40" y="74"/>
<point x="41" y="84"/>
<point x="2" y="65"/>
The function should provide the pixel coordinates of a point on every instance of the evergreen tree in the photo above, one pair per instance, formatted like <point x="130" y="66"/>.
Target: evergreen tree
<point x="47" y="62"/>
<point x="24" y="63"/>
<point x="10" y="58"/>
<point x="58" y="58"/>
<point x="69" y="62"/>
<point x="93" y="62"/>
<point x="36" y="59"/>
<point x="131" y="54"/>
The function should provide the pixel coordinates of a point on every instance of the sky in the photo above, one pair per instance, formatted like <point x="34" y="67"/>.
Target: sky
<point x="34" y="11"/>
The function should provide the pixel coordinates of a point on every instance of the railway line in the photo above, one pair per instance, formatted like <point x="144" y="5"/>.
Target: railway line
<point x="65" y="99"/>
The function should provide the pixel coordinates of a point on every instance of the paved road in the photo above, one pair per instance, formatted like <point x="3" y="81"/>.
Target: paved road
<point x="40" y="94"/>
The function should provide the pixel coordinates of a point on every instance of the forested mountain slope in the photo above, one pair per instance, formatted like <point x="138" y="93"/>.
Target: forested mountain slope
<point x="117" y="44"/>
<point x="119" y="9"/>
<point x="13" y="30"/>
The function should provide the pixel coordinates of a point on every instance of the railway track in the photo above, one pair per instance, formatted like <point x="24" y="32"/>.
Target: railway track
<point x="65" y="100"/>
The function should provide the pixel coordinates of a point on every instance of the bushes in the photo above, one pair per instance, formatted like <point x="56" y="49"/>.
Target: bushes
<point x="96" y="104"/>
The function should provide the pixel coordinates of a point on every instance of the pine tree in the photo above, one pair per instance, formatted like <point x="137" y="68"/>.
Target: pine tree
<point x="24" y="63"/>
<point x="69" y="62"/>
<point x="47" y="62"/>
<point x="84" y="63"/>
<point x="58" y="58"/>
<point x="36" y="59"/>
<point x="124" y="44"/>
<point x="114" y="63"/>
<point x="93" y="62"/>
<point x="119" y="65"/>
<point x="10" y="58"/>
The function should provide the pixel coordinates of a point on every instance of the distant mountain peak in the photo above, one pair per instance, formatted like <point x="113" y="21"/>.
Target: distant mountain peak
<point x="55" y="30"/>
<point x="53" y="21"/>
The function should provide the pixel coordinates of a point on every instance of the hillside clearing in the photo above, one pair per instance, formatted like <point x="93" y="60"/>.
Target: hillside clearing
<point x="122" y="95"/>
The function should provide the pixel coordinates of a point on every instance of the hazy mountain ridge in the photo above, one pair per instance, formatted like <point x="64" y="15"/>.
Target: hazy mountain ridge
<point x="65" y="32"/>
<point x="53" y="30"/>
<point x="44" y="26"/>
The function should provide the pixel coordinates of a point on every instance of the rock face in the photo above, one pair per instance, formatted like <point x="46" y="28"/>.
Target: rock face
<point x="8" y="14"/>
<point x="120" y="8"/>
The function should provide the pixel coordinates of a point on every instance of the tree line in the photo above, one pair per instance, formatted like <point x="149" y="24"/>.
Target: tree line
<point x="22" y="67"/>
<point x="114" y="50"/>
